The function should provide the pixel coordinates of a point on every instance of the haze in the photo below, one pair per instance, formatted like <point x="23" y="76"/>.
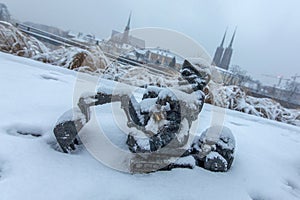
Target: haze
<point x="267" y="41"/>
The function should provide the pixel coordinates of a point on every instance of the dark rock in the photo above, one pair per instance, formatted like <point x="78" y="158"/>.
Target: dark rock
<point x="222" y="149"/>
<point x="67" y="129"/>
<point x="151" y="92"/>
<point x="164" y="120"/>
<point x="135" y="112"/>
<point x="167" y="132"/>
<point x="215" y="162"/>
<point x="174" y="166"/>
<point x="65" y="134"/>
<point x="197" y="80"/>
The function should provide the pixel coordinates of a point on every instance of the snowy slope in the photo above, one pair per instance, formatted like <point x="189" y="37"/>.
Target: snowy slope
<point x="35" y="95"/>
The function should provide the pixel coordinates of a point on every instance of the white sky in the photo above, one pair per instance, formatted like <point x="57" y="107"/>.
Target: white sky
<point x="267" y="41"/>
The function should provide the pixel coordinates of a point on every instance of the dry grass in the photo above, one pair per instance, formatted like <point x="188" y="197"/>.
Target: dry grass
<point x="234" y="98"/>
<point x="15" y="42"/>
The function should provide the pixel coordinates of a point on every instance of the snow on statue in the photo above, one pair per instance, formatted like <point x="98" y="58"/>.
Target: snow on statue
<point x="160" y="125"/>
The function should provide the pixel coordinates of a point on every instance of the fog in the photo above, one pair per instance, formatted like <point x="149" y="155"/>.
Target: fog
<point x="267" y="40"/>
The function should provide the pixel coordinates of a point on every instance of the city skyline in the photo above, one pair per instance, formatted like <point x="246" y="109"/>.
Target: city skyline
<point x="267" y="40"/>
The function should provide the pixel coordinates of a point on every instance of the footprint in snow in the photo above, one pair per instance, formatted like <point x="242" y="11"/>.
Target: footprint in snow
<point x="25" y="131"/>
<point x="49" y="77"/>
<point x="55" y="73"/>
<point x="293" y="187"/>
<point x="55" y="146"/>
<point x="291" y="136"/>
<point x="258" y="197"/>
<point x="1" y="170"/>
<point x="237" y="124"/>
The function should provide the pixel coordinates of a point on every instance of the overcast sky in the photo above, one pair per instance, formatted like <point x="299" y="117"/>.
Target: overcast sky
<point x="267" y="40"/>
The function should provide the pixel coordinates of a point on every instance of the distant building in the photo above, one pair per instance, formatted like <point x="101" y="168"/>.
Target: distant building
<point x="88" y="39"/>
<point x="4" y="13"/>
<point x="219" y="52"/>
<point x="156" y="56"/>
<point x="163" y="57"/>
<point x="222" y="59"/>
<point x="125" y="38"/>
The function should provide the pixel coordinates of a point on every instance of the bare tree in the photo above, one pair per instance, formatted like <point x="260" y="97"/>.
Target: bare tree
<point x="293" y="87"/>
<point x="236" y="76"/>
<point x="173" y="62"/>
<point x="4" y="13"/>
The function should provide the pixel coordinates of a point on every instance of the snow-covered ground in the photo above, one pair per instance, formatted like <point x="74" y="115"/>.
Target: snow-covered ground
<point x="34" y="95"/>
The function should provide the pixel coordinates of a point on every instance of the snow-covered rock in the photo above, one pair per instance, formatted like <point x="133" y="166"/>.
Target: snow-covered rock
<point x="214" y="149"/>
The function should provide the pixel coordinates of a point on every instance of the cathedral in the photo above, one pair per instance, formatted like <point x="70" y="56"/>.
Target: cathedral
<point x="222" y="58"/>
<point x="124" y="38"/>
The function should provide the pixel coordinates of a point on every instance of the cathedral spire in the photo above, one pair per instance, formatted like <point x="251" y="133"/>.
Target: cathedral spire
<point x="219" y="52"/>
<point x="222" y="43"/>
<point x="125" y="38"/>
<point x="225" y="61"/>
<point x="232" y="39"/>
<point x="127" y="28"/>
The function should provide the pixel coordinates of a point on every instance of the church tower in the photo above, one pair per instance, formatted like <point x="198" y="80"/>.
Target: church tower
<point x="225" y="62"/>
<point x="219" y="52"/>
<point x="125" y="38"/>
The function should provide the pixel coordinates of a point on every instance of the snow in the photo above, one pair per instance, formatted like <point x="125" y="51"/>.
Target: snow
<point x="184" y="130"/>
<point x="146" y="104"/>
<point x="167" y="93"/>
<point x="137" y="109"/>
<point x="14" y="41"/>
<point x="151" y="89"/>
<point x="142" y="142"/>
<point x="92" y="60"/>
<point x="153" y="126"/>
<point x="186" y="160"/>
<point x="74" y="115"/>
<point x="213" y="155"/>
<point x="266" y="166"/>
<point x="213" y="133"/>
<point x="140" y="76"/>
<point x="233" y="97"/>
